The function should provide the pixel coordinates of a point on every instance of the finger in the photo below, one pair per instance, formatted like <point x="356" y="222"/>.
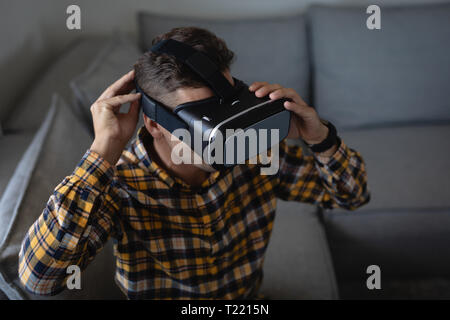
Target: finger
<point x="126" y="88"/>
<point x="122" y="86"/>
<point x="265" y="90"/>
<point x="133" y="112"/>
<point x="113" y="90"/>
<point x="117" y="101"/>
<point x="303" y="111"/>
<point x="287" y="93"/>
<point x="256" y="85"/>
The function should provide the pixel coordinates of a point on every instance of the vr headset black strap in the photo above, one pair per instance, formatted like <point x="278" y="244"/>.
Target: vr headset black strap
<point x="199" y="63"/>
<point x="160" y="113"/>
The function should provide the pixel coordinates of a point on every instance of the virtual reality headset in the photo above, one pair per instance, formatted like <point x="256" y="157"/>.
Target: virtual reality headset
<point x="223" y="126"/>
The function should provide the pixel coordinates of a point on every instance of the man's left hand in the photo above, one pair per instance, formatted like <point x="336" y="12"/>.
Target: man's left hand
<point x="305" y="122"/>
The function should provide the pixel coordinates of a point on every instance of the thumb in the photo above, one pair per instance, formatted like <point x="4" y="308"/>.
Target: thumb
<point x="133" y="111"/>
<point x="134" y="108"/>
<point x="130" y="119"/>
<point x="302" y="111"/>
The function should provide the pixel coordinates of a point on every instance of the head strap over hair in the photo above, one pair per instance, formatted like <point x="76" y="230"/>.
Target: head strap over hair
<point x="200" y="63"/>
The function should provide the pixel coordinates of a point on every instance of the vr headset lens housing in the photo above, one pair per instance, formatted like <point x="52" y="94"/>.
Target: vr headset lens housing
<point x="227" y="129"/>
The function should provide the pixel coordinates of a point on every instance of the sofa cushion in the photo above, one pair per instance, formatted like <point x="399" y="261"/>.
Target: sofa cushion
<point x="53" y="153"/>
<point x="396" y="74"/>
<point x="271" y="49"/>
<point x="407" y="166"/>
<point x="298" y="263"/>
<point x="398" y="289"/>
<point x="115" y="59"/>
<point x="32" y="108"/>
<point x="13" y="146"/>
<point x="404" y="243"/>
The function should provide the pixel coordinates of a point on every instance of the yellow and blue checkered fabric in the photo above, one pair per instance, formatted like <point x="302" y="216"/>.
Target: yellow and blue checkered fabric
<point x="171" y="240"/>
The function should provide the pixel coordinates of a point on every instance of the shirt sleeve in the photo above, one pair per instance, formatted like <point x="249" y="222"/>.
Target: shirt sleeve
<point x="77" y="221"/>
<point x="336" y="181"/>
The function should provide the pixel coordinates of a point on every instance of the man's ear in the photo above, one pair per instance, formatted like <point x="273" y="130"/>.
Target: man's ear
<point x="153" y="128"/>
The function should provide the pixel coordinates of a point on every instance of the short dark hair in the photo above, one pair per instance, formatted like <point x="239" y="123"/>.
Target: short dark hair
<point x="160" y="74"/>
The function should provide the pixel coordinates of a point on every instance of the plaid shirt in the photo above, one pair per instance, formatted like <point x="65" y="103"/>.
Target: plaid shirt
<point x="172" y="240"/>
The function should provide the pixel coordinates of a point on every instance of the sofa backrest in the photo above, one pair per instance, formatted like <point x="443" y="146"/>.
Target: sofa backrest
<point x="272" y="50"/>
<point x="398" y="74"/>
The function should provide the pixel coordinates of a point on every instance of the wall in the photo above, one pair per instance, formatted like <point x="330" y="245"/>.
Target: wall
<point x="32" y="33"/>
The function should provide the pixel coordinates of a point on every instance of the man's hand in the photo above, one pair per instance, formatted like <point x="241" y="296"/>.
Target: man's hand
<point x="114" y="129"/>
<point x="305" y="122"/>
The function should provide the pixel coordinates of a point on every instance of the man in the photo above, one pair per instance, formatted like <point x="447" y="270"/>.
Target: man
<point x="180" y="230"/>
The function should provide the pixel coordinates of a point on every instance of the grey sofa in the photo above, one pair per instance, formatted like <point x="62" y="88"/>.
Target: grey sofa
<point x="386" y="91"/>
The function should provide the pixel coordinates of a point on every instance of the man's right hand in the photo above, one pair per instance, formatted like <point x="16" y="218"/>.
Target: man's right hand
<point x="113" y="129"/>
